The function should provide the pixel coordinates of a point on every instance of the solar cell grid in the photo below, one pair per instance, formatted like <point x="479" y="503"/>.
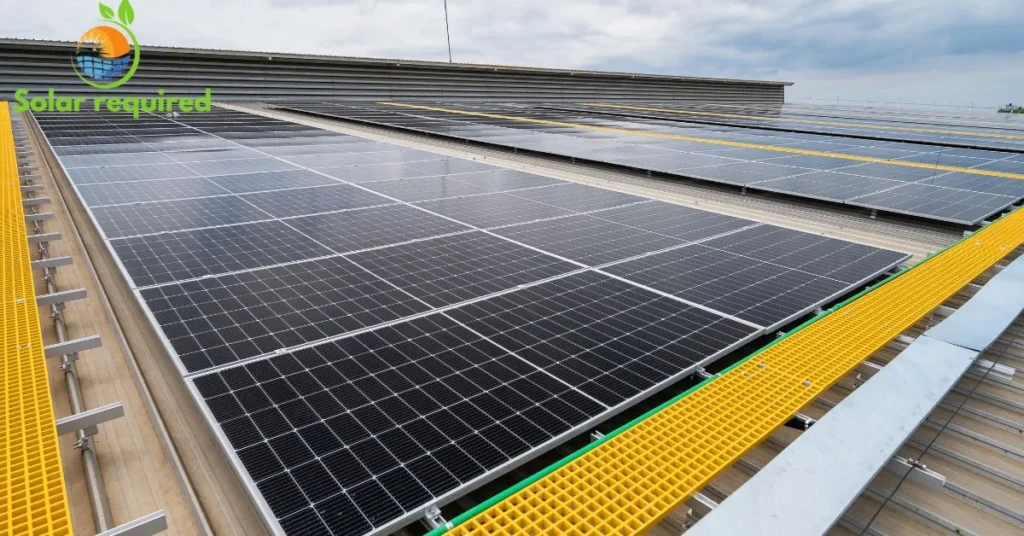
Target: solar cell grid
<point x="505" y="179"/>
<point x="315" y="200"/>
<point x="578" y="197"/>
<point x="991" y="185"/>
<point x="387" y="420"/>
<point x="271" y="180"/>
<point x="405" y="156"/>
<point x="115" y="159"/>
<point x="493" y="210"/>
<point x="145" y="218"/>
<point x="161" y="258"/>
<point x="97" y="175"/>
<point x="223" y="319"/>
<point x="758" y="292"/>
<point x="606" y="337"/>
<point x="452" y="269"/>
<point x="374" y="172"/>
<point x="827" y="185"/>
<point x="450" y="166"/>
<point x="203" y="155"/>
<point x="121" y="193"/>
<point x="675" y="221"/>
<point x="587" y="239"/>
<point x="360" y="229"/>
<point x="322" y="160"/>
<point x="425" y="188"/>
<point x="936" y="201"/>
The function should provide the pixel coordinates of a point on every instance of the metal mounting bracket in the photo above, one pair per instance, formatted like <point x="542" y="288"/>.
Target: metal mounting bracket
<point x="88" y="420"/>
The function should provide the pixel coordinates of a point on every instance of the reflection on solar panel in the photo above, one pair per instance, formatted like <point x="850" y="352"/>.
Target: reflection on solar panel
<point x="844" y="170"/>
<point x="372" y="329"/>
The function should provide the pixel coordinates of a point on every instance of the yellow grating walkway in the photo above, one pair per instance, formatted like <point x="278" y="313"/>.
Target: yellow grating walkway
<point x="32" y="494"/>
<point x="633" y="480"/>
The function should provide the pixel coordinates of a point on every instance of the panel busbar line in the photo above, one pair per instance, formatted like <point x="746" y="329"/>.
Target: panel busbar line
<point x="631" y="481"/>
<point x="33" y="499"/>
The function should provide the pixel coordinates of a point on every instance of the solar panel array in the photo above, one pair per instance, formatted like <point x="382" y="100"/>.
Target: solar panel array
<point x="1009" y="137"/>
<point x="958" y="197"/>
<point x="372" y="329"/>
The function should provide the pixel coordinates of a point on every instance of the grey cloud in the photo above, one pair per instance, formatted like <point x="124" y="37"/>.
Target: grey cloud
<point x="813" y="41"/>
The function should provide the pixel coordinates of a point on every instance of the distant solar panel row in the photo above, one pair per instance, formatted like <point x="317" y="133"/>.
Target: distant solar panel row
<point x="962" y="136"/>
<point x="959" y="197"/>
<point x="372" y="329"/>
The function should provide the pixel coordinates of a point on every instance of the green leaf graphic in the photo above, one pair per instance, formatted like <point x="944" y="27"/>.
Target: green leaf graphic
<point x="125" y="12"/>
<point x="106" y="11"/>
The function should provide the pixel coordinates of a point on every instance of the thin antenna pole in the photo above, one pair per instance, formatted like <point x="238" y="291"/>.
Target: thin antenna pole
<point x="447" y="32"/>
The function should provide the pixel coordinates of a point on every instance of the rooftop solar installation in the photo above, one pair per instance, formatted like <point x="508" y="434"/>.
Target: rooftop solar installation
<point x="370" y="330"/>
<point x="867" y="128"/>
<point x="962" y="186"/>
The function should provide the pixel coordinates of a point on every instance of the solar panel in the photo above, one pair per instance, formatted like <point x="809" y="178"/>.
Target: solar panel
<point x="578" y="197"/>
<point x="385" y="422"/>
<point x="165" y="257"/>
<point x="493" y="210"/>
<point x="767" y="164"/>
<point x="828" y="185"/>
<point x="144" y="191"/>
<point x="97" y="175"/>
<point x="304" y="201"/>
<point x="942" y="203"/>
<point x="587" y="239"/>
<point x="506" y="179"/>
<point x="361" y="229"/>
<point x="164" y="216"/>
<point x="223" y="319"/>
<point x="425" y="188"/>
<point x="605" y="337"/>
<point x="271" y="180"/>
<point x="452" y="269"/>
<point x="363" y="351"/>
<point x="673" y="220"/>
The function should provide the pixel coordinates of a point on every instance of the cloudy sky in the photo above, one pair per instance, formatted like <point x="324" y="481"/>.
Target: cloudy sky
<point x="911" y="50"/>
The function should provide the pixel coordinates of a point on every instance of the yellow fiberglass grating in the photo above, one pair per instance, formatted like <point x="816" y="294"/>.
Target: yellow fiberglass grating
<point x="634" y="479"/>
<point x="33" y="499"/>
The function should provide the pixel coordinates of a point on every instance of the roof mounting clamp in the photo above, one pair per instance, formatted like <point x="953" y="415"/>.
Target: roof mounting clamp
<point x="984" y="367"/>
<point x="703" y="374"/>
<point x="596" y="436"/>
<point x="35" y="201"/>
<point x="800" y="422"/>
<point x="700" y="504"/>
<point x="43" y="238"/>
<point x="53" y="262"/>
<point x="72" y="347"/>
<point x="432" y="518"/>
<point x="918" y="472"/>
<point x="147" y="525"/>
<point x="88" y="420"/>
<point x="60" y="298"/>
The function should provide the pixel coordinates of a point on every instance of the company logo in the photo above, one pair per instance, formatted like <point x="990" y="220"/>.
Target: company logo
<point x="107" y="55"/>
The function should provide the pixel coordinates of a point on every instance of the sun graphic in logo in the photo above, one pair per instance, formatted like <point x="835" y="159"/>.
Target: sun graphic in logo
<point x="107" y="55"/>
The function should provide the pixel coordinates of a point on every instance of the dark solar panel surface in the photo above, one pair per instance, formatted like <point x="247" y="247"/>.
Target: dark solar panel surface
<point x="372" y="328"/>
<point x="166" y="257"/>
<point x="772" y="168"/>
